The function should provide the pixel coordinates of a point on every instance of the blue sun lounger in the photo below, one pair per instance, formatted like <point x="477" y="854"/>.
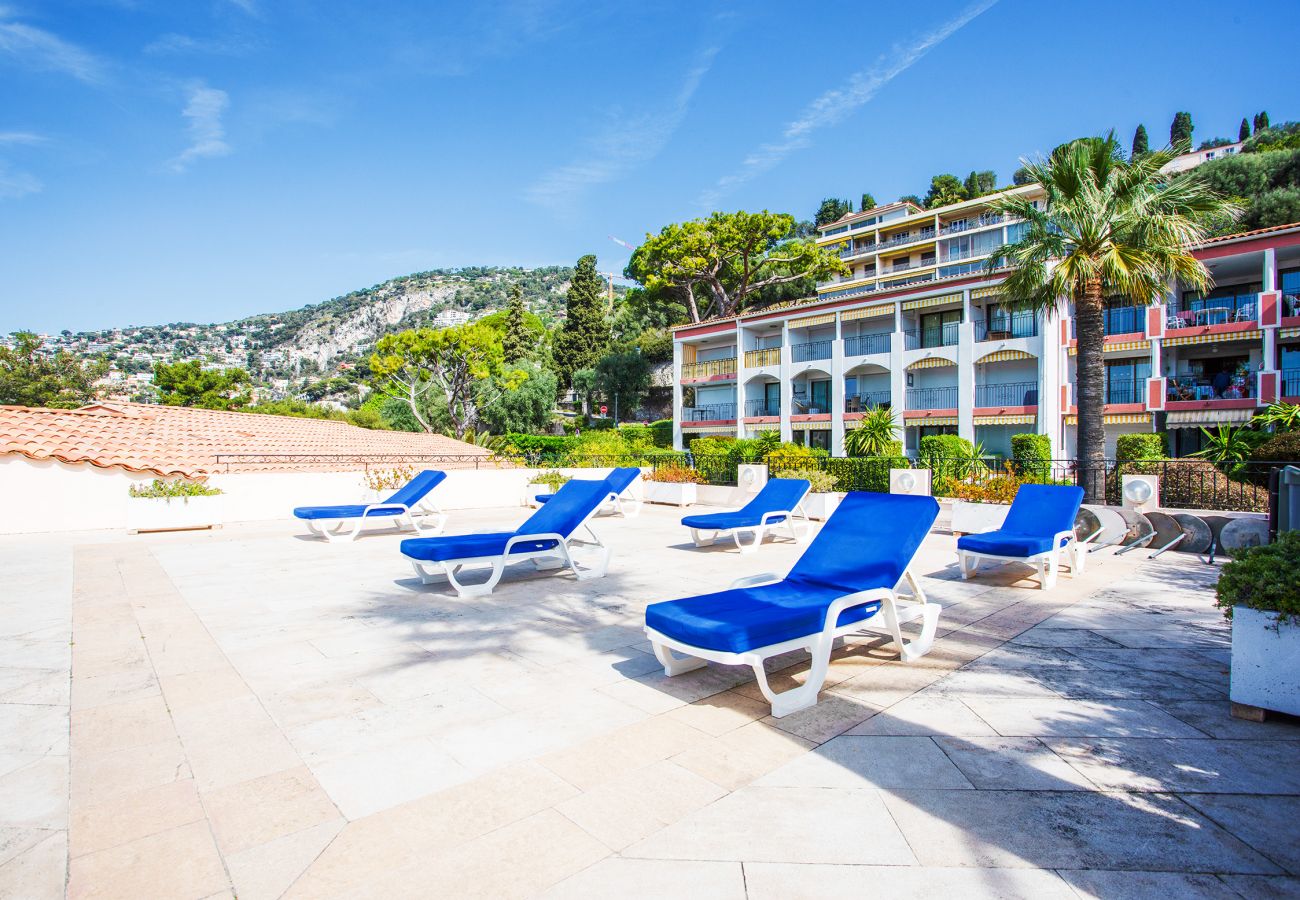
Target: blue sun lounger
<point x="410" y="505"/>
<point x="778" y="502"/>
<point x="845" y="581"/>
<point x="545" y="538"/>
<point x="619" y="481"/>
<point x="1038" y="530"/>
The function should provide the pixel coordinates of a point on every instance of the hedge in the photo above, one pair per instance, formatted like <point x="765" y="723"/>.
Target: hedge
<point x="1284" y="447"/>
<point x="943" y="454"/>
<point x="1129" y="447"/>
<point x="1032" y="456"/>
<point x="865" y="473"/>
<point x="540" y="443"/>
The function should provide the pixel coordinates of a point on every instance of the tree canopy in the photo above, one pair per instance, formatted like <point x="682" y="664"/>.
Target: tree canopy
<point x="516" y="341"/>
<point x="831" y="210"/>
<point x="1141" y="144"/>
<point x="584" y="337"/>
<point x="868" y="202"/>
<point x="1180" y="132"/>
<point x="31" y="376"/>
<point x="526" y="406"/>
<point x="623" y="378"/>
<point x="944" y="189"/>
<point x="189" y="384"/>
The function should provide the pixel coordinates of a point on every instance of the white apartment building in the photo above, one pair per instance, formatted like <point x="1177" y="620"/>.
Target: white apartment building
<point x="918" y="325"/>
<point x="449" y="318"/>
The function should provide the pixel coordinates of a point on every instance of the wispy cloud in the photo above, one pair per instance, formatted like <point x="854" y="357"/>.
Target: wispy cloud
<point x="246" y="6"/>
<point x="173" y="44"/>
<point x="42" y="51"/>
<point x="203" y="110"/>
<point x="15" y="184"/>
<point x="626" y="142"/>
<point x="837" y="104"/>
<point x="21" y="137"/>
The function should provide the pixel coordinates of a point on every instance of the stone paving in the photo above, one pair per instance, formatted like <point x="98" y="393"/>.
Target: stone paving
<point x="252" y="713"/>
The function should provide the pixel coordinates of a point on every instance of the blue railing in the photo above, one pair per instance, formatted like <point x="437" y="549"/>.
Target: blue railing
<point x="944" y="335"/>
<point x="1013" y="325"/>
<point x="1291" y="382"/>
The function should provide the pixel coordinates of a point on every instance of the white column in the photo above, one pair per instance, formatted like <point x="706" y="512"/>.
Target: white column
<point x="677" y="395"/>
<point x="1270" y="269"/>
<point x="787" y="384"/>
<point x="1270" y="333"/>
<point x="898" y="377"/>
<point x="837" y="390"/>
<point x="966" y="371"/>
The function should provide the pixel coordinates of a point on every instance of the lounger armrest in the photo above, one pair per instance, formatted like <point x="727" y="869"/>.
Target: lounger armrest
<point x="1065" y="536"/>
<point x="755" y="580"/>
<point x="402" y="506"/>
<point x="545" y="536"/>
<point x="776" y="514"/>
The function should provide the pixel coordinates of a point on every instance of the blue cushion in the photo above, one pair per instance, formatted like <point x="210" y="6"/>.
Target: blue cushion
<point x="415" y="489"/>
<point x="867" y="543"/>
<point x="542" y="498"/>
<point x="621" y="479"/>
<point x="345" y="512"/>
<point x="1005" y="543"/>
<point x="1038" y="513"/>
<point x="468" y="546"/>
<point x="778" y="495"/>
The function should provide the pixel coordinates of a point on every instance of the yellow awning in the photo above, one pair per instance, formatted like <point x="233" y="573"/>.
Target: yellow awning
<point x="1213" y="337"/>
<point x="1008" y="419"/>
<point x="1005" y="355"/>
<point x="932" y="301"/>
<point x="708" y="429"/>
<point x="1289" y="333"/>
<point x="868" y="312"/>
<point x="932" y="362"/>
<point x="1207" y="418"/>
<point x="1121" y="347"/>
<point x="933" y="420"/>
<point x="762" y="426"/>
<point x="984" y="292"/>
<point x="823" y="319"/>
<point x="1116" y="419"/>
<point x="810" y="426"/>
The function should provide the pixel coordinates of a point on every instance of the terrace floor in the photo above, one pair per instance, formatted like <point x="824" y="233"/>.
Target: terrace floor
<point x="251" y="712"/>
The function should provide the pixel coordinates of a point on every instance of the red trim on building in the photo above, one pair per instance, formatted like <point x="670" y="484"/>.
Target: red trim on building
<point x="1006" y="411"/>
<point x="709" y="423"/>
<point x="761" y="420"/>
<point x="1268" y="387"/>
<point x="922" y="414"/>
<point x="1191" y="405"/>
<point x="704" y="328"/>
<point x="710" y="378"/>
<point x="812" y="417"/>
<point x="1225" y="328"/>
<point x="1156" y="394"/>
<point x="1269" y="308"/>
<point x="1235" y="248"/>
<point x="1155" y="322"/>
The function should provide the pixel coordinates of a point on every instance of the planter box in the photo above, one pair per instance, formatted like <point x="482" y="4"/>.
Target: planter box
<point x="976" y="518"/>
<point x="671" y="493"/>
<point x="1265" y="661"/>
<point x="820" y="506"/>
<point x="172" y="513"/>
<point x="532" y="490"/>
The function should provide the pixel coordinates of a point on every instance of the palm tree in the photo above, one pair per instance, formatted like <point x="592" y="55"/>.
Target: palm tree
<point x="876" y="434"/>
<point x="1110" y="227"/>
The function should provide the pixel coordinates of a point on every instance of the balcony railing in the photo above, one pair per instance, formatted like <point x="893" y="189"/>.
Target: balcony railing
<point x="1213" y="311"/>
<point x="1119" y="320"/>
<point x="856" y="248"/>
<point x="1186" y="387"/>
<point x="967" y="224"/>
<point x="1124" y="392"/>
<point x="800" y="405"/>
<point x="999" y="328"/>
<point x="811" y="350"/>
<point x="944" y="335"/>
<point x="755" y="359"/>
<point x="1014" y="393"/>
<point x="711" y="368"/>
<point x="861" y="402"/>
<point x="911" y="237"/>
<point x="762" y="408"/>
<point x="709" y="412"/>
<point x="866" y="344"/>
<point x="1291" y="382"/>
<point x="932" y="398"/>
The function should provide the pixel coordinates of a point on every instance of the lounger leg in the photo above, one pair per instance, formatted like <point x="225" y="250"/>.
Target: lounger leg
<point x="928" y="613"/>
<point x="700" y="540"/>
<point x="674" y="664"/>
<point x="968" y="563"/>
<point x="596" y="571"/>
<point x="804" y="696"/>
<point x="1078" y="553"/>
<point x="1047" y="568"/>
<point x="748" y="548"/>
<point x="415" y="519"/>
<point x="335" y="533"/>
<point x="427" y="576"/>
<point x="475" y="590"/>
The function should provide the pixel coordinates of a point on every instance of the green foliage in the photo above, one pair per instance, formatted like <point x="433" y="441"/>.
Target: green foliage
<point x="540" y="443"/>
<point x="363" y="417"/>
<point x="1023" y="176"/>
<point x="585" y="336"/>
<point x="166" y="490"/>
<point x="831" y="210"/>
<point x="1284" y="447"/>
<point x="30" y="377"/>
<point x="912" y="199"/>
<point x="1265" y="578"/>
<point x="980" y="183"/>
<point x="1268" y="184"/>
<point x="1031" y="456"/>
<point x="1227" y="445"/>
<point x="677" y="474"/>
<point x="947" y="456"/>
<point x="1282" y="137"/>
<point x="790" y="455"/>
<point x="625" y="377"/>
<point x="944" y="189"/>
<point x="1261" y="121"/>
<point x="868" y="202"/>
<point x="1132" y="447"/>
<point x="1141" y="144"/>
<point x="1213" y="142"/>
<point x="867" y="473"/>
<point x="819" y="480"/>
<point x="189" y="384"/>
<point x="518" y="340"/>
<point x="655" y="346"/>
<point x="552" y="479"/>
<point x="1243" y="132"/>
<point x="656" y="434"/>
<point x="1279" y="416"/>
<point x="396" y="414"/>
<point x="507" y="405"/>
<point x="1180" y="132"/>
<point x="876" y="432"/>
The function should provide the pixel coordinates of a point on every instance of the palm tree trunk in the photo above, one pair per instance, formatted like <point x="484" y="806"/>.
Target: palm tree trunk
<point x="1091" y="379"/>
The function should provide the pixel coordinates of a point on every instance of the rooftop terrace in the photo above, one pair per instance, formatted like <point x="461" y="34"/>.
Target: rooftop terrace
<point x="251" y="712"/>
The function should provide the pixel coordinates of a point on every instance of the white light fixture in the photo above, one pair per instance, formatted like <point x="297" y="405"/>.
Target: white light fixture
<point x="1137" y="491"/>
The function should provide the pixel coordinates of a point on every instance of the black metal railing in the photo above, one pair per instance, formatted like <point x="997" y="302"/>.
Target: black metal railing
<point x="1014" y="393"/>
<point x="1291" y="382"/>
<point x="1190" y="313"/>
<point x="1012" y="325"/>
<point x="865" y="400"/>
<point x="932" y="398"/>
<point x="762" y="408"/>
<point x="866" y="344"/>
<point x="1234" y="387"/>
<point x="945" y="335"/>
<point x="709" y="412"/>
<point x="243" y="462"/>
<point x="811" y="350"/>
<point x="1124" y="392"/>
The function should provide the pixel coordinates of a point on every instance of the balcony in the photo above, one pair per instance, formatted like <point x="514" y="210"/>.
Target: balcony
<point x="969" y="224"/>
<point x="1125" y="392"/>
<point x="1291" y="382"/>
<point x="811" y="351"/>
<point x="945" y="335"/>
<point x="1212" y="311"/>
<point x="867" y="344"/>
<point x="710" y="412"/>
<point x="1004" y="327"/>
<point x="762" y="407"/>
<point x="1117" y="320"/>
<point x="857" y="248"/>
<point x="709" y="370"/>
<point x="757" y="359"/>
<point x="1184" y="387"/>
<point x="932" y="398"/>
<point x="858" y="403"/>
<point x="911" y="237"/>
<point x="1014" y="393"/>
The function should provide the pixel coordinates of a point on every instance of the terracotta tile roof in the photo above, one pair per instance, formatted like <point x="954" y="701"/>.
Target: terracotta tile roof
<point x="1241" y="235"/>
<point x="172" y="440"/>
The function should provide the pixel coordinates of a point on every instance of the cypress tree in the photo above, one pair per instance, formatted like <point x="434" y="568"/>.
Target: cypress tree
<point x="1261" y="122"/>
<point x="1140" y="143"/>
<point x="1244" y="131"/>
<point x="515" y="342"/>
<point x="584" y="337"/>
<point x="1180" y="131"/>
<point x="868" y="202"/>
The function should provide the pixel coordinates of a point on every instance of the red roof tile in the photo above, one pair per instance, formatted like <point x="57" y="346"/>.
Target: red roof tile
<point x="173" y="440"/>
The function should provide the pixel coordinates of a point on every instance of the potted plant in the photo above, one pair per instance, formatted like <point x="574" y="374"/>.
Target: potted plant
<point x="1259" y="591"/>
<point x="822" y="498"/>
<point x="981" y="506"/>
<point x="379" y="484"/>
<point x="672" y="484"/>
<point x="172" y="506"/>
<point x="543" y="483"/>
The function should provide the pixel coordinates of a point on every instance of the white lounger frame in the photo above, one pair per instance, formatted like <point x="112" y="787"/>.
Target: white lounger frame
<point x="819" y="645"/>
<point x="614" y="505"/>
<point x="558" y="557"/>
<point x="333" y="529"/>
<point x="1048" y="563"/>
<point x="704" y="537"/>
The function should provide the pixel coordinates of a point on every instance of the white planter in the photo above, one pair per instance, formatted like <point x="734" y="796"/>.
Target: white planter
<point x="820" y="506"/>
<point x="532" y="490"/>
<point x="172" y="513"/>
<point x="976" y="518"/>
<point x="671" y="493"/>
<point x="1265" y="661"/>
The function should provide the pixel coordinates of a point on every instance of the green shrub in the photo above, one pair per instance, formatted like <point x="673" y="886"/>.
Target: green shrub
<point x="662" y="432"/>
<point x="1284" y="447"/>
<point x="539" y="443"/>
<point x="166" y="490"/>
<point x="946" y="456"/>
<point x="601" y="448"/>
<point x="552" y="480"/>
<point x="865" y="473"/>
<point x="821" y="482"/>
<point x="1130" y="447"/>
<point x="1265" y="578"/>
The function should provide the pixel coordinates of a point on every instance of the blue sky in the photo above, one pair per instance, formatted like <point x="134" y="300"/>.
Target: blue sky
<point x="163" y="160"/>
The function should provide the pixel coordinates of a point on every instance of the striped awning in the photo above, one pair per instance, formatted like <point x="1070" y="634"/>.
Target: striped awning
<point x="708" y="429"/>
<point x="762" y="426"/>
<point x="1213" y="337"/>
<point x="1008" y="419"/>
<point x="811" y="426"/>
<point x="1121" y="347"/>
<point x="1289" y="333"/>
<point x="1207" y="418"/>
<point x="932" y="362"/>
<point x="932" y="420"/>
<point x="1116" y="419"/>
<point x="867" y="312"/>
<point x="932" y="301"/>
<point x="1005" y="355"/>
<point x="984" y="292"/>
<point x="809" y="321"/>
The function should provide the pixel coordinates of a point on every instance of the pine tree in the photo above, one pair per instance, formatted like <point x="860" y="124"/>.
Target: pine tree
<point x="1261" y="122"/>
<point x="515" y="342"/>
<point x="1244" y="131"/>
<point x="584" y="337"/>
<point x="1180" y="131"/>
<point x="1140" y="143"/>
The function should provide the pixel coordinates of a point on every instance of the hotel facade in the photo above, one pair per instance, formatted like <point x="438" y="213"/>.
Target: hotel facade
<point x="918" y="324"/>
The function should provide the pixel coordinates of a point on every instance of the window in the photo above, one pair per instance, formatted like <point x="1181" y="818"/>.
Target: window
<point x="772" y="398"/>
<point x="821" y="396"/>
<point x="940" y="329"/>
<point x="1289" y="282"/>
<point x="1126" y="380"/>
